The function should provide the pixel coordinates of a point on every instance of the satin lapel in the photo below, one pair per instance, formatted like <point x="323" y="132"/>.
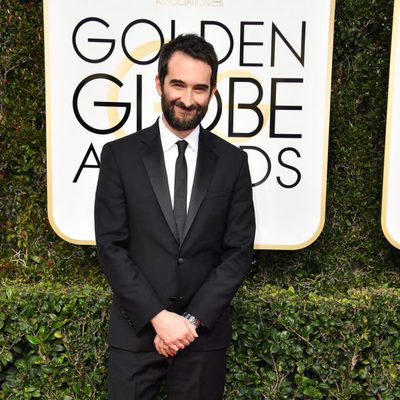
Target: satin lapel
<point x="205" y="167"/>
<point x="153" y="159"/>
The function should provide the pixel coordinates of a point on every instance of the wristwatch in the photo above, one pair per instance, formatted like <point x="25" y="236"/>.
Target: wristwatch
<point x="192" y="319"/>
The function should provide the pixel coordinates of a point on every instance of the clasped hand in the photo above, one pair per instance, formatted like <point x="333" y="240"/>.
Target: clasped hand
<point x="173" y="333"/>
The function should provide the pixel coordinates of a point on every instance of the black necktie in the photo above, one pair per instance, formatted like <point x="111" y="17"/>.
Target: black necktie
<point x="180" y="191"/>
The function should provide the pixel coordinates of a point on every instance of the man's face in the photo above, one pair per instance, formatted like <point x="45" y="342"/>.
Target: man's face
<point x="186" y="92"/>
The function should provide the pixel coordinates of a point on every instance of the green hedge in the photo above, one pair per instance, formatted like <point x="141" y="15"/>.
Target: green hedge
<point x="332" y="335"/>
<point x="292" y="344"/>
<point x="352" y="239"/>
<point x="287" y="344"/>
<point x="52" y="342"/>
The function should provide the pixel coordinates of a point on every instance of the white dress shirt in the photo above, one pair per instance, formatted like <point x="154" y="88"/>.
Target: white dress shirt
<point x="170" y="149"/>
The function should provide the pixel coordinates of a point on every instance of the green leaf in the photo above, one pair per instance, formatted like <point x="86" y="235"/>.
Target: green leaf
<point x="275" y="348"/>
<point x="33" y="339"/>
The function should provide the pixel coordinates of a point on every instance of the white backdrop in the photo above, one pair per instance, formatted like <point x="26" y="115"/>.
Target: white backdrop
<point x="391" y="180"/>
<point x="273" y="99"/>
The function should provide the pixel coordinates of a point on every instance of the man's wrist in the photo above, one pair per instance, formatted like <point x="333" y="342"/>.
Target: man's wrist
<point x="192" y="319"/>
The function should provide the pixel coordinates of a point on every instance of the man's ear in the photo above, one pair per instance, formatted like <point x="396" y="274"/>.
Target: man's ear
<point x="158" y="85"/>
<point x="213" y="89"/>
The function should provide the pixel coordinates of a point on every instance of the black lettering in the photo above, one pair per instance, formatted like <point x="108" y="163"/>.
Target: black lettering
<point x="247" y="106"/>
<point x="228" y="32"/>
<point x="281" y="162"/>
<point x="91" y="40"/>
<point x="265" y="155"/>
<point x="301" y="57"/>
<point x="243" y="43"/>
<point x="78" y="116"/>
<point x="172" y="29"/>
<point x="274" y="107"/>
<point x="90" y="150"/>
<point x="126" y="30"/>
<point x="139" y="100"/>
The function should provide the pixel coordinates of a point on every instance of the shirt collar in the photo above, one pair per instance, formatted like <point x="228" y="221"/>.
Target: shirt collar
<point x="168" y="138"/>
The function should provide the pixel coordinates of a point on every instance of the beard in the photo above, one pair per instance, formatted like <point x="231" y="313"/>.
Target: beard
<point x="182" y="123"/>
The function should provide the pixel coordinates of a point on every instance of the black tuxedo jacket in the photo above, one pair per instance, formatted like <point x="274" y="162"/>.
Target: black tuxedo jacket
<point x="137" y="241"/>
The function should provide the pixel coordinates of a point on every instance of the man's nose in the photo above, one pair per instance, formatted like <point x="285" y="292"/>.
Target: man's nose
<point x="187" y="98"/>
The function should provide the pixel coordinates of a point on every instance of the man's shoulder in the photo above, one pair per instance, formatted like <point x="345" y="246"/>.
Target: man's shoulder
<point x="132" y="140"/>
<point x="221" y="144"/>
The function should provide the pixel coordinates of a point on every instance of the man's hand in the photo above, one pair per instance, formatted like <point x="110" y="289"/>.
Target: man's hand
<point x="174" y="332"/>
<point x="162" y="348"/>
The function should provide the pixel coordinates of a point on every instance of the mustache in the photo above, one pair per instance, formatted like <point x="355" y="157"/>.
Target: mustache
<point x="184" y="107"/>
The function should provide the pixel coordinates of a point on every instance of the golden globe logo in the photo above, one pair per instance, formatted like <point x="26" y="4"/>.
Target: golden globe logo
<point x="272" y="101"/>
<point x="148" y="52"/>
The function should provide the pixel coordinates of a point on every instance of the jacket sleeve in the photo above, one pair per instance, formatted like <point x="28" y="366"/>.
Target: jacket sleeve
<point x="217" y="291"/>
<point x="133" y="292"/>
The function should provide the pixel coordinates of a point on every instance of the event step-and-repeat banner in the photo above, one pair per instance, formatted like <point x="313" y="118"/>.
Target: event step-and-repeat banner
<point x="391" y="180"/>
<point x="272" y="101"/>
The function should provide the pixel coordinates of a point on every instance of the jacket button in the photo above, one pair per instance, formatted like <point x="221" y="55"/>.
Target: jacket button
<point x="180" y="260"/>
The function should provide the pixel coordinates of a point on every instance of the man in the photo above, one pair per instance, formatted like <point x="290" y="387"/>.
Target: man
<point x="174" y="230"/>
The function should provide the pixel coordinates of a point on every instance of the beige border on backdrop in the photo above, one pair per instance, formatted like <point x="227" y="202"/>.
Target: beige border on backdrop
<point x="389" y="116"/>
<point x="49" y="134"/>
<point x="315" y="236"/>
<point x="257" y="246"/>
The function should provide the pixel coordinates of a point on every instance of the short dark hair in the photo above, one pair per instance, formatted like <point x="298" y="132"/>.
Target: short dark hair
<point x="192" y="45"/>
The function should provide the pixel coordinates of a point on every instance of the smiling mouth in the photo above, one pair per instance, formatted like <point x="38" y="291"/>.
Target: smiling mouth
<point x="183" y="108"/>
<point x="184" y="112"/>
